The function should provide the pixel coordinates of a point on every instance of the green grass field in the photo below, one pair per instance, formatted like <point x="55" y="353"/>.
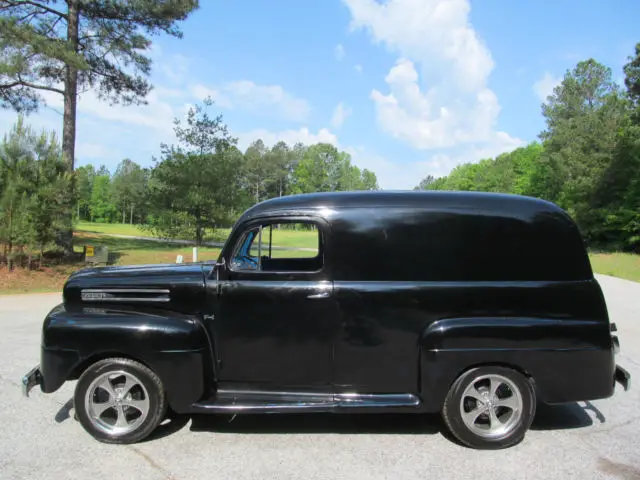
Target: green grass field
<point x="622" y="265"/>
<point x="111" y="228"/>
<point x="135" y="252"/>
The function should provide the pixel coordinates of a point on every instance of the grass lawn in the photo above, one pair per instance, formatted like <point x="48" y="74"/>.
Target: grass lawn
<point x="112" y="228"/>
<point x="622" y="265"/>
<point x="281" y="237"/>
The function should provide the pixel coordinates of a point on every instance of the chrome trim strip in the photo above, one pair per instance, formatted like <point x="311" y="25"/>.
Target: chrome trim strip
<point x="257" y="401"/>
<point x="128" y="299"/>
<point x="125" y="290"/>
<point x="106" y="295"/>
<point x="377" y="400"/>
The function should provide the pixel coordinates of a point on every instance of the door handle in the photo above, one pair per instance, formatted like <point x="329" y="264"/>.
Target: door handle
<point x="319" y="295"/>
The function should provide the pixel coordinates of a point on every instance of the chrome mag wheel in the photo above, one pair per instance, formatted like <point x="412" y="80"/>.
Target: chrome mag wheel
<point x="117" y="403"/>
<point x="491" y="406"/>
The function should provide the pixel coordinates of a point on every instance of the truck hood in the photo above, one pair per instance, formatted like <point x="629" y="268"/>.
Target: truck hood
<point x="179" y="287"/>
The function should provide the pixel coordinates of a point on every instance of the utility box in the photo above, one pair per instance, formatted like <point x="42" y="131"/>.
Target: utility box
<point x="96" y="254"/>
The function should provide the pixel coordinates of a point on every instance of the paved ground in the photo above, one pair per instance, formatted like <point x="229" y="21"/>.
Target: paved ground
<point x="39" y="440"/>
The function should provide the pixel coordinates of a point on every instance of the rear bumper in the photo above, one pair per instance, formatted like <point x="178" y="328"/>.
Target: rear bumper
<point x="31" y="379"/>
<point x="623" y="377"/>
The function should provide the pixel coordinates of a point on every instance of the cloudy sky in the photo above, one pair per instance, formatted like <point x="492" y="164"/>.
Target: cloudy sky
<point x="408" y="87"/>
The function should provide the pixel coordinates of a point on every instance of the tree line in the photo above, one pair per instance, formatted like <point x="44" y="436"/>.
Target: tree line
<point x="201" y="183"/>
<point x="587" y="159"/>
<point x="64" y="48"/>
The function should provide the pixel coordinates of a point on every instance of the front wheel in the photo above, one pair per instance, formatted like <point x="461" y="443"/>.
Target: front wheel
<point x="119" y="400"/>
<point x="490" y="407"/>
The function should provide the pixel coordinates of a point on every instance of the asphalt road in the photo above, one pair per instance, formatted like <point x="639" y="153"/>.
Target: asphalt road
<point x="39" y="439"/>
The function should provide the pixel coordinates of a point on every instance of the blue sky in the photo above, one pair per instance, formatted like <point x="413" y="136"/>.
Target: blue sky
<point x="408" y="87"/>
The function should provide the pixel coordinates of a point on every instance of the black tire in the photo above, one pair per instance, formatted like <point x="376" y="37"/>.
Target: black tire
<point x="156" y="399"/>
<point x="452" y="408"/>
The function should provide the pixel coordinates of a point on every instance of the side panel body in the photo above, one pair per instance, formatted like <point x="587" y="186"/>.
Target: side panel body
<point x="418" y="337"/>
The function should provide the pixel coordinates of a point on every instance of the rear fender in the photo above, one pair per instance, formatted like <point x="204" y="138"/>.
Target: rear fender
<point x="556" y="353"/>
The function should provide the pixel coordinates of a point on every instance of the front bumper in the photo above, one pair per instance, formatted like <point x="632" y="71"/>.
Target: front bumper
<point x="31" y="379"/>
<point x="623" y="377"/>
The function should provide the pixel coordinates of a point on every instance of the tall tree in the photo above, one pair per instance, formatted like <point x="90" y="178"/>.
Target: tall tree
<point x="102" y="207"/>
<point x="76" y="45"/>
<point x="257" y="169"/>
<point x="280" y="160"/>
<point x="34" y="185"/>
<point x="84" y="185"/>
<point x="323" y="168"/>
<point x="425" y="183"/>
<point x="587" y="101"/>
<point x="632" y="77"/>
<point x="129" y="185"/>
<point x="195" y="185"/>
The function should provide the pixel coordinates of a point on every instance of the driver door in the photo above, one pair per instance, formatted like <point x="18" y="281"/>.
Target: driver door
<point x="276" y="318"/>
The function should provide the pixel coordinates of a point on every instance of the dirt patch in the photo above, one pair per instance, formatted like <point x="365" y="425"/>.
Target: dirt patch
<point x="619" y="470"/>
<point x="45" y="279"/>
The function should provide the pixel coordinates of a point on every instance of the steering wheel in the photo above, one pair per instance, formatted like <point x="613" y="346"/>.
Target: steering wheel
<point x="250" y="259"/>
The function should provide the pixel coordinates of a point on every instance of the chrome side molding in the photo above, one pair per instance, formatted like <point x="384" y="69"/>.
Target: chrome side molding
<point x="251" y="401"/>
<point x="125" y="295"/>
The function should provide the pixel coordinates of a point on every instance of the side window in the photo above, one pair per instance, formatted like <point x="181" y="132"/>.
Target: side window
<point x="279" y="247"/>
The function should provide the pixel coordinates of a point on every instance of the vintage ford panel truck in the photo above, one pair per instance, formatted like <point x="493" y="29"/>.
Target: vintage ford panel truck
<point x="469" y="304"/>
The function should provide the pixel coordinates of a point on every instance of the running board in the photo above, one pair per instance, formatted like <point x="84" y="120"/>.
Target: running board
<point x="246" y="401"/>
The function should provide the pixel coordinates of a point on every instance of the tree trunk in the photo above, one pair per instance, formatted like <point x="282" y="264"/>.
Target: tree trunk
<point x="131" y="216"/>
<point x="10" y="236"/>
<point x="198" y="230"/>
<point x="69" y="117"/>
<point x="123" y="215"/>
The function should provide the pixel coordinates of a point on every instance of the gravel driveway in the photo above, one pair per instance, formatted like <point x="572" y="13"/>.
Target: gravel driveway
<point x="39" y="439"/>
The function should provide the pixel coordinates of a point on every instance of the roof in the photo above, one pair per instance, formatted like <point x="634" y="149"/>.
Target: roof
<point x="408" y="198"/>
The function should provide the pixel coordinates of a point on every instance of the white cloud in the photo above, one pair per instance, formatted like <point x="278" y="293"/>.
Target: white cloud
<point x="174" y="67"/>
<point x="390" y="175"/>
<point x="92" y="150"/>
<point x="264" y="100"/>
<point x="358" y="68"/>
<point x="439" y="48"/>
<point x="422" y="120"/>
<point x="200" y="92"/>
<point x="437" y="32"/>
<point x="404" y="176"/>
<point x="340" y="114"/>
<point x="339" y="52"/>
<point x="291" y="137"/>
<point x="544" y="87"/>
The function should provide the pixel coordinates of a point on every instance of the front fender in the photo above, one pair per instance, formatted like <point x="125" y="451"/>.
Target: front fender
<point x="175" y="346"/>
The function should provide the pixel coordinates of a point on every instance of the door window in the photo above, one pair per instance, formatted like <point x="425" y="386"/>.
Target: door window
<point x="279" y="247"/>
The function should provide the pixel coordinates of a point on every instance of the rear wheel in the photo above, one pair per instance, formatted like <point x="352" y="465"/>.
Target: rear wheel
<point x="490" y="407"/>
<point x="119" y="400"/>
